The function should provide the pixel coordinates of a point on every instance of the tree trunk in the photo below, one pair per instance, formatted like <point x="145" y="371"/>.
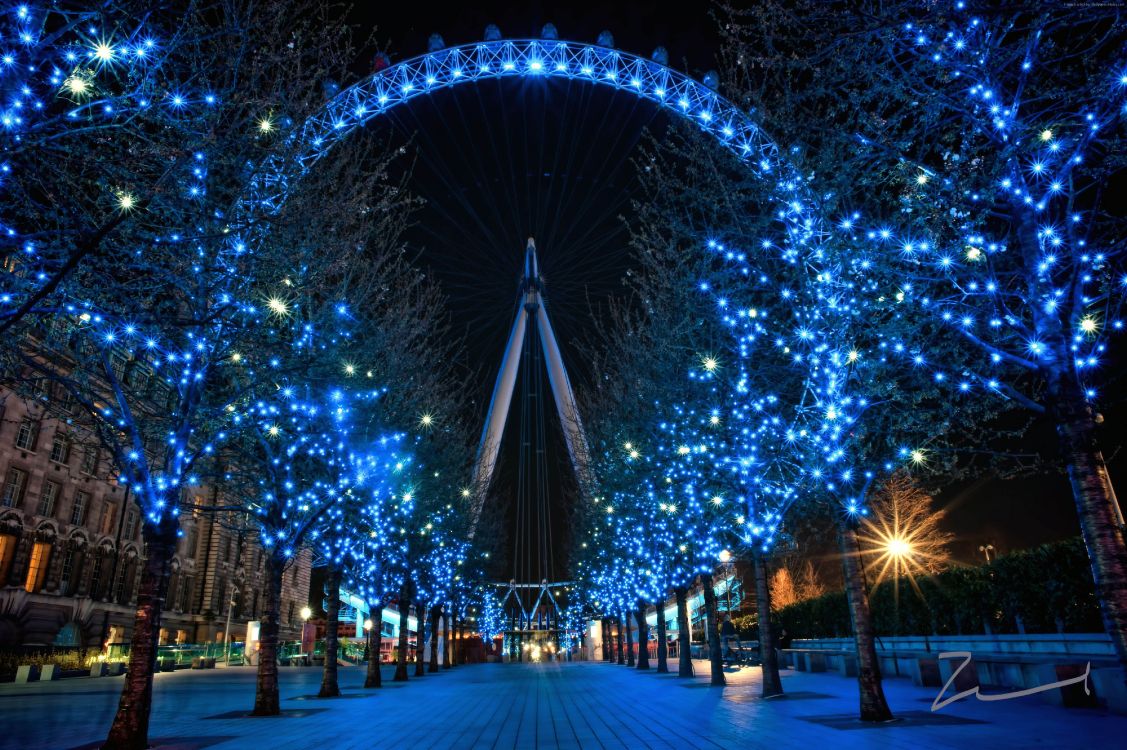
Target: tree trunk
<point x="462" y="655"/>
<point x="768" y="656"/>
<point x="329" y="686"/>
<point x="375" y="641"/>
<point x="401" y="657"/>
<point x="715" y="658"/>
<point x="420" y="639"/>
<point x="130" y="729"/>
<point x="608" y="650"/>
<point x="684" y="652"/>
<point x="266" y="700"/>
<point x="662" y="643"/>
<point x="1101" y="519"/>
<point x="435" y="629"/>
<point x="448" y="643"/>
<point x="629" y="639"/>
<point x="643" y="636"/>
<point x="874" y="707"/>
<point x="620" y="639"/>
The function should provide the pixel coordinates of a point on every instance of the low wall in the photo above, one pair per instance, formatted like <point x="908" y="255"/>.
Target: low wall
<point x="1081" y="644"/>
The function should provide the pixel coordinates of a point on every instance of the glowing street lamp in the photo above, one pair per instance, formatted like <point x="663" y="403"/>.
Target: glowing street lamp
<point x="898" y="547"/>
<point x="726" y="560"/>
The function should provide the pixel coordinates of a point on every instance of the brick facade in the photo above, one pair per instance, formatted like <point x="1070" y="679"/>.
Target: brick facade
<point x="70" y="547"/>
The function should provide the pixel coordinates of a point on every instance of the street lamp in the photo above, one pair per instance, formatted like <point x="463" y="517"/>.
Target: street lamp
<point x="306" y="613"/>
<point x="227" y="631"/>
<point x="726" y="561"/>
<point x="986" y="549"/>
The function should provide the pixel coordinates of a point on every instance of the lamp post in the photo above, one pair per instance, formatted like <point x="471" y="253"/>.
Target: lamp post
<point x="306" y="613"/>
<point x="227" y="628"/>
<point x="986" y="549"/>
<point x="726" y="561"/>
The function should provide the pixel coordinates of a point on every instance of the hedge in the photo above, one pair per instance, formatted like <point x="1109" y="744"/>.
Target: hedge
<point x="1047" y="589"/>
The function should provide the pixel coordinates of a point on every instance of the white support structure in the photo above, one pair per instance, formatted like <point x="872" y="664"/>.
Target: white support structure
<point x="530" y="311"/>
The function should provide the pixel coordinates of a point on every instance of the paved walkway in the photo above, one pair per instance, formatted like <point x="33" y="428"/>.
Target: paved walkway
<point x="542" y="706"/>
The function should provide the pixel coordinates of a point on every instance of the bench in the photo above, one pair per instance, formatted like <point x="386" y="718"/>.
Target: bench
<point x="818" y="660"/>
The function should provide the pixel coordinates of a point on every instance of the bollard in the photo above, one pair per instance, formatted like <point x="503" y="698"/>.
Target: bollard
<point x="27" y="673"/>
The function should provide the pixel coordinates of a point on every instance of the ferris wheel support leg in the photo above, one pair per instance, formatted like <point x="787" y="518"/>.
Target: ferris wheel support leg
<point x="563" y="395"/>
<point x="498" y="414"/>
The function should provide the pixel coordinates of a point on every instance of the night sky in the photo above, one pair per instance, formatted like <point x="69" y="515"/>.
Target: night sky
<point x="501" y="160"/>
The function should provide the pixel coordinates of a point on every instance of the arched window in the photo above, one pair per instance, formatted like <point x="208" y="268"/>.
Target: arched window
<point x="37" y="566"/>
<point x="68" y="636"/>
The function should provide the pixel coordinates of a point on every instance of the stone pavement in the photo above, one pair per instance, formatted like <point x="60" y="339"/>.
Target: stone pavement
<point x="578" y="705"/>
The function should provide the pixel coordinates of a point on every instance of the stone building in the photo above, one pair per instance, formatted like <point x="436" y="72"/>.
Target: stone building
<point x="70" y="546"/>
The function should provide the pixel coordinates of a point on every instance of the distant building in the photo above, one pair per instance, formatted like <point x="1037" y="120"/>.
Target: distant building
<point x="70" y="546"/>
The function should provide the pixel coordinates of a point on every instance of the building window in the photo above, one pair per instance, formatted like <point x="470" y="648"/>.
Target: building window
<point x="107" y="518"/>
<point x="60" y="449"/>
<point x="138" y="377"/>
<point x="48" y="498"/>
<point x="119" y="584"/>
<point x="117" y="367"/>
<point x="8" y="543"/>
<point x="68" y="636"/>
<point x="96" y="575"/>
<point x="130" y="524"/>
<point x="66" y="403"/>
<point x="26" y="435"/>
<point x="221" y="594"/>
<point x="185" y="593"/>
<point x="289" y="617"/>
<point x="37" y="568"/>
<point x="66" y="571"/>
<point x="14" y="485"/>
<point x="90" y="460"/>
<point x="78" y="512"/>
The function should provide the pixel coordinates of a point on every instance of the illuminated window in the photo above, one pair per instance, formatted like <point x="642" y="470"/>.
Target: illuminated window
<point x="48" y="499"/>
<point x="7" y="555"/>
<point x="14" y="485"/>
<point x="37" y="568"/>
<point x="78" y="512"/>
<point x="25" y="436"/>
<point x="107" y="518"/>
